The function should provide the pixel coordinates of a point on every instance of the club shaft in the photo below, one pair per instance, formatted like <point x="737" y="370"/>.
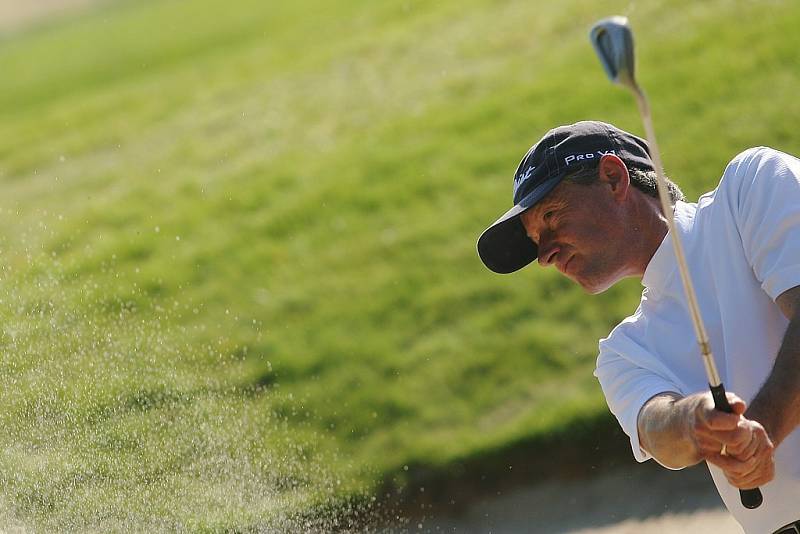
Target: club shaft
<point x="619" y="65"/>
<point x="667" y="208"/>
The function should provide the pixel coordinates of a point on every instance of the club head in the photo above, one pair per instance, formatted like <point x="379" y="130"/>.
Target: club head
<point x="613" y="41"/>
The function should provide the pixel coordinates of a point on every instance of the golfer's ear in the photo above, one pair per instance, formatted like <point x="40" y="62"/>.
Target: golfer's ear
<point x="613" y="172"/>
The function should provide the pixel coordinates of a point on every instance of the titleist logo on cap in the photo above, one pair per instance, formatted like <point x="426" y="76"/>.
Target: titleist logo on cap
<point x="521" y="177"/>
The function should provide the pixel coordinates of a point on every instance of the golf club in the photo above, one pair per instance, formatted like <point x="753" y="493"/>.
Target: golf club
<point x="613" y="41"/>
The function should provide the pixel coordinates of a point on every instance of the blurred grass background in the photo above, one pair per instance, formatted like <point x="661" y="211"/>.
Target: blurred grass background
<point x="239" y="279"/>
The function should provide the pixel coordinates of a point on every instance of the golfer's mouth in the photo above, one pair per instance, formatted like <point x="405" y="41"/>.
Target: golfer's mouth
<point x="564" y="267"/>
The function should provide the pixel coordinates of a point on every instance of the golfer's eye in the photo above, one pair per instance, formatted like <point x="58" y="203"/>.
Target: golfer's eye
<point x="548" y="215"/>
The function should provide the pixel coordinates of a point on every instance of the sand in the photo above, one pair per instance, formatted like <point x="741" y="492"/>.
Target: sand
<point x="641" y="499"/>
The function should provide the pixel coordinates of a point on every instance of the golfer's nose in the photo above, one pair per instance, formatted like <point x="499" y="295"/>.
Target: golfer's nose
<point x="547" y="250"/>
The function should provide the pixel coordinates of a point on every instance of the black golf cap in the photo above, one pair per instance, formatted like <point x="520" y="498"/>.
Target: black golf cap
<point x="505" y="247"/>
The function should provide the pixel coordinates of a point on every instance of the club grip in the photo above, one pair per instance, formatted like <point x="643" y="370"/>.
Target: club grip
<point x="751" y="498"/>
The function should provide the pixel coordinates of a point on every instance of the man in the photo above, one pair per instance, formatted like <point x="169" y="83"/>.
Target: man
<point x="585" y="201"/>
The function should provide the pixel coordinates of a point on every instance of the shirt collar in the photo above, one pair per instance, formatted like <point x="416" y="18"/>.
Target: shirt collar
<point x="663" y="263"/>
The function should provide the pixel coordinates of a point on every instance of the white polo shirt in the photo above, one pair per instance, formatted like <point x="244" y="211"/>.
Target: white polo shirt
<point x="742" y="244"/>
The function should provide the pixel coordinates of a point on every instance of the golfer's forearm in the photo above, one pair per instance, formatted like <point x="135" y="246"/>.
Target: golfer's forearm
<point x="663" y="430"/>
<point x="777" y="405"/>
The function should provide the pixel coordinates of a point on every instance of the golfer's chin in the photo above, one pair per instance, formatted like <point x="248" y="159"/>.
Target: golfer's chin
<point x="591" y="284"/>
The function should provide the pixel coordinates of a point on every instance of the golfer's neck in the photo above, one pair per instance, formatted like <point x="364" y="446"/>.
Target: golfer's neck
<point x="648" y="234"/>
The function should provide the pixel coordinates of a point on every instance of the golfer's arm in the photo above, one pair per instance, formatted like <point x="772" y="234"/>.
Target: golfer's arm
<point x="664" y="432"/>
<point x="777" y="404"/>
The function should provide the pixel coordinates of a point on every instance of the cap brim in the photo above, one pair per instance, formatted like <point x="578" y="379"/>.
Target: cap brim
<point x="505" y="247"/>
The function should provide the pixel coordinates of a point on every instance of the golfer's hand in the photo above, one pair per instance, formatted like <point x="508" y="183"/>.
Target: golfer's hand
<point x="748" y="457"/>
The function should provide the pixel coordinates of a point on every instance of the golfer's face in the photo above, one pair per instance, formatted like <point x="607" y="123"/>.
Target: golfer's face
<point x="577" y="229"/>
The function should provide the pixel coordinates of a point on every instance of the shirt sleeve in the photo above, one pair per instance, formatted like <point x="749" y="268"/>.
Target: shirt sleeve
<point x="627" y="385"/>
<point x="767" y="212"/>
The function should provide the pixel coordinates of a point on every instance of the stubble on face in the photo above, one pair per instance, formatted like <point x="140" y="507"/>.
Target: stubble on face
<point x="578" y="229"/>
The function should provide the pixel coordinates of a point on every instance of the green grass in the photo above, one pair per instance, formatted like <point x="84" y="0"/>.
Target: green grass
<point x="239" y="278"/>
